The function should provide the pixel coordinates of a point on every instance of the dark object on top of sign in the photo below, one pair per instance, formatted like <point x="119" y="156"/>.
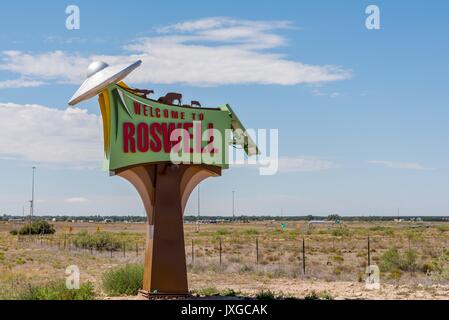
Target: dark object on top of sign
<point x="170" y="98"/>
<point x="195" y="103"/>
<point x="143" y="92"/>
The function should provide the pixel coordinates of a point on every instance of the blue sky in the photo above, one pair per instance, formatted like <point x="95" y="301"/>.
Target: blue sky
<point x="363" y="131"/>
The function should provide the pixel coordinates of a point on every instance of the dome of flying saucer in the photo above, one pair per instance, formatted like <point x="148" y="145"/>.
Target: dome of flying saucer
<point x="95" y="67"/>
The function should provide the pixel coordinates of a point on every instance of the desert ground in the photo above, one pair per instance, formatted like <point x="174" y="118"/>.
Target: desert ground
<point x="256" y="256"/>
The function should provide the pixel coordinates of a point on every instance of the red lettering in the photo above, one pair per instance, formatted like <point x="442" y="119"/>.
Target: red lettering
<point x="167" y="131"/>
<point x="142" y="137"/>
<point x="129" y="142"/>
<point x="210" y="146"/>
<point x="187" y="127"/>
<point x="198" y="138"/>
<point x="136" y="107"/>
<point x="155" y="143"/>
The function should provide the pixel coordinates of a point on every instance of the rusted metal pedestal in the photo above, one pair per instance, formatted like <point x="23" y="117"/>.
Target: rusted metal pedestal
<point x="165" y="189"/>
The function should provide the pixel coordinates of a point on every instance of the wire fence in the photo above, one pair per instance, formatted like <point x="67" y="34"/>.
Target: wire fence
<point x="321" y="256"/>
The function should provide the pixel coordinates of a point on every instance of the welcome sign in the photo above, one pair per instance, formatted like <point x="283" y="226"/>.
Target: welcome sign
<point x="164" y="151"/>
<point x="139" y="131"/>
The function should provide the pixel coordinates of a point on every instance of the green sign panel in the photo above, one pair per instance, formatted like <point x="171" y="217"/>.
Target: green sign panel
<point x="139" y="131"/>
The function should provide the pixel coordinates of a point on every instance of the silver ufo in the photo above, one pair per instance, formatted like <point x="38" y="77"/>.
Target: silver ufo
<point x="99" y="76"/>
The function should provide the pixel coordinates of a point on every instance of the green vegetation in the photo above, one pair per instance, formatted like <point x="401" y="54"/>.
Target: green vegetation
<point x="341" y="232"/>
<point x="223" y="232"/>
<point x="319" y="296"/>
<point x="250" y="232"/>
<point x="212" y="291"/>
<point x="265" y="295"/>
<point x="57" y="291"/>
<point x="393" y="261"/>
<point x="125" y="280"/>
<point x="103" y="240"/>
<point x="386" y="231"/>
<point x="36" y="227"/>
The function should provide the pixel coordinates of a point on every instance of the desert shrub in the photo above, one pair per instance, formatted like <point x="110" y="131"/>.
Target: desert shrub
<point x="265" y="295"/>
<point x="125" y="280"/>
<point x="58" y="291"/>
<point x="207" y="292"/>
<point x="392" y="260"/>
<point x="438" y="267"/>
<point x="337" y="271"/>
<point x="223" y="232"/>
<point x="408" y="262"/>
<point x="443" y="228"/>
<point x="36" y="227"/>
<point x="341" y="232"/>
<point x="246" y="269"/>
<point x="338" y="258"/>
<point x="427" y="267"/>
<point x="229" y="293"/>
<point x="386" y="231"/>
<point x="414" y="234"/>
<point x="250" y="232"/>
<point x="395" y="275"/>
<point x="101" y="240"/>
<point x="212" y="291"/>
<point x="319" y="296"/>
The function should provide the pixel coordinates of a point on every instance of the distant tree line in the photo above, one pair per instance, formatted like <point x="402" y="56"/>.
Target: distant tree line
<point x="194" y="218"/>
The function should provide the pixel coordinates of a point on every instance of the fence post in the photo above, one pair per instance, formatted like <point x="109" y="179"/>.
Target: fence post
<point x="137" y="249"/>
<point x="257" y="250"/>
<point x="369" y="252"/>
<point x="303" y="256"/>
<point x="220" y="251"/>
<point x="193" y="253"/>
<point x="124" y="249"/>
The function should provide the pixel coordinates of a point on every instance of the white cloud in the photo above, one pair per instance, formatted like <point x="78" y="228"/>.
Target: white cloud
<point x="212" y="51"/>
<point x="46" y="135"/>
<point x="287" y="164"/>
<point x="334" y="94"/>
<point x="56" y="65"/>
<point x="221" y="22"/>
<point x="75" y="200"/>
<point x="304" y="164"/>
<point x="399" y="165"/>
<point x="20" y="83"/>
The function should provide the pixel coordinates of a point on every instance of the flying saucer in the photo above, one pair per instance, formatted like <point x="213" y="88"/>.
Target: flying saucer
<point x="99" y="76"/>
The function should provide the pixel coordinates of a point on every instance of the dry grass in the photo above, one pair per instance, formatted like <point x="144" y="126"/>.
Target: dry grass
<point x="336" y="258"/>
